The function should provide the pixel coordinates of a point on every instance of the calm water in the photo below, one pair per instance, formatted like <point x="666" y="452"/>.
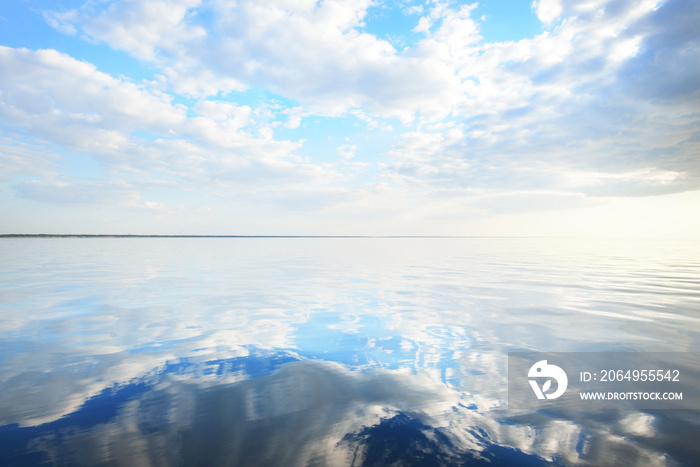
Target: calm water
<point x="251" y="351"/>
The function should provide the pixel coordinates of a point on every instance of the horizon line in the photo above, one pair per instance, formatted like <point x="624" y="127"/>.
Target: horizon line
<point x="244" y="236"/>
<point x="129" y="235"/>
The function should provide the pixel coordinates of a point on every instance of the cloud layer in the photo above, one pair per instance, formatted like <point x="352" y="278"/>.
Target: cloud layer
<point x="601" y="104"/>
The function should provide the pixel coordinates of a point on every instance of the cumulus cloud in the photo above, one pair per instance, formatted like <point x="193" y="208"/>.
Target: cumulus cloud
<point x="70" y="102"/>
<point x="141" y="28"/>
<point x="547" y="10"/>
<point x="601" y="103"/>
<point x="310" y="51"/>
<point x="132" y="130"/>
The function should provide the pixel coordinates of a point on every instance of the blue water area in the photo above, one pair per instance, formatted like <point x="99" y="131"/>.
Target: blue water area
<point x="397" y="439"/>
<point x="244" y="351"/>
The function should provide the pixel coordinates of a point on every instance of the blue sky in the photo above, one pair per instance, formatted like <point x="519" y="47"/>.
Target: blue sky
<point x="355" y="117"/>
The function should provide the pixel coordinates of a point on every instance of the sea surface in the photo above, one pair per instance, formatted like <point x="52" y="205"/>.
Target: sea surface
<point x="330" y="351"/>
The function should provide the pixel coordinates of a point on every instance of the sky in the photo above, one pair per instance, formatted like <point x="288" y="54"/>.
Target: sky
<point x="351" y="117"/>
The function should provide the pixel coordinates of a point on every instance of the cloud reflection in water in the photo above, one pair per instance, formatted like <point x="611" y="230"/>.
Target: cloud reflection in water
<point x="308" y="412"/>
<point x="327" y="351"/>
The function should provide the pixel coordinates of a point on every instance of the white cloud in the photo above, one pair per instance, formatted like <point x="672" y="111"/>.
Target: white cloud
<point x="309" y="51"/>
<point x="63" y="101"/>
<point x="547" y="10"/>
<point x="140" y="28"/>
<point x="601" y="104"/>
<point x="347" y="151"/>
<point x="429" y="157"/>
<point x="19" y="158"/>
<point x="239" y="116"/>
<point x="541" y="112"/>
<point x="69" y="101"/>
<point x="99" y="193"/>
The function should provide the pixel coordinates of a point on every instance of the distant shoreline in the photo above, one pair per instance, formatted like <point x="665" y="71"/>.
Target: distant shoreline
<point x="228" y="236"/>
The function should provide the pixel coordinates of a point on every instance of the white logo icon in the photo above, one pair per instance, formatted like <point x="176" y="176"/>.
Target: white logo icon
<point x="542" y="370"/>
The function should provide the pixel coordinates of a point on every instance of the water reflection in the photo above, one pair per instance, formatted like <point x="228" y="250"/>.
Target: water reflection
<point x="301" y="412"/>
<point x="327" y="351"/>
